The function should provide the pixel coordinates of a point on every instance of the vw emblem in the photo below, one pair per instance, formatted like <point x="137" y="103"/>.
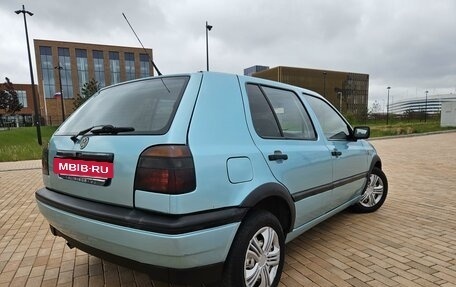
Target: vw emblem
<point x="84" y="142"/>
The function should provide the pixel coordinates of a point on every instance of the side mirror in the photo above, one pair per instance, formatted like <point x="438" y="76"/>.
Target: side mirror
<point x="361" y="133"/>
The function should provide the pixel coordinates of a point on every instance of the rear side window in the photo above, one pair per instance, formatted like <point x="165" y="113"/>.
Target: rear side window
<point x="278" y="113"/>
<point x="148" y="106"/>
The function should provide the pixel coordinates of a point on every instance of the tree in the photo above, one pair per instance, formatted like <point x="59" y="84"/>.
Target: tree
<point x="9" y="102"/>
<point x="89" y="89"/>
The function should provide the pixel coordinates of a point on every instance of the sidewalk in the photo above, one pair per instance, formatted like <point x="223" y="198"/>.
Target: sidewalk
<point x="410" y="241"/>
<point x="20" y="165"/>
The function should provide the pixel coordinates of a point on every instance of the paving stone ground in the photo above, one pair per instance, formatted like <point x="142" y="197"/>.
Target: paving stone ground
<point x="410" y="241"/>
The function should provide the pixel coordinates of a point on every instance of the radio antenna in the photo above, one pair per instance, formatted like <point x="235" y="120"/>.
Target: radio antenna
<point x="150" y="57"/>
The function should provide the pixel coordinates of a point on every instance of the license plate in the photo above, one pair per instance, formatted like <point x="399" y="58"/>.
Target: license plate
<point x="85" y="168"/>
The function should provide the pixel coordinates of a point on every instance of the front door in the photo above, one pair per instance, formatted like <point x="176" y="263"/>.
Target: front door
<point x="350" y="158"/>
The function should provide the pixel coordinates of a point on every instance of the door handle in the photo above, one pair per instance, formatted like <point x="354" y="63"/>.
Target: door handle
<point x="278" y="155"/>
<point x="336" y="153"/>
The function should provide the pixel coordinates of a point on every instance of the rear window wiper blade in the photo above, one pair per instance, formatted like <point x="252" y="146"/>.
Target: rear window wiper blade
<point x="112" y="130"/>
<point x="102" y="129"/>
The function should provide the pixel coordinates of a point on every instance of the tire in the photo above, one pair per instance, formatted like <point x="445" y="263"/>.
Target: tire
<point x="374" y="194"/>
<point x="257" y="254"/>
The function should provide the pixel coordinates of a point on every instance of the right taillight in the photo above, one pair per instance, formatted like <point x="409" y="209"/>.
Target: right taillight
<point x="45" y="161"/>
<point x="166" y="169"/>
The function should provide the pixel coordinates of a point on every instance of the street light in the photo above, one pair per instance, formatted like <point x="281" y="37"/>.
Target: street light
<point x="324" y="84"/>
<point x="388" y="105"/>
<point x="208" y="28"/>
<point x="61" y="92"/>
<point x="425" y="107"/>
<point x="35" y="104"/>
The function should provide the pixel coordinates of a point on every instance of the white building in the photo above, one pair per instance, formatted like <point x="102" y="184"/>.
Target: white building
<point x="432" y="105"/>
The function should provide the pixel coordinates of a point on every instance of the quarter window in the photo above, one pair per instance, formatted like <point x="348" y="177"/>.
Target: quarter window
<point x="279" y="113"/>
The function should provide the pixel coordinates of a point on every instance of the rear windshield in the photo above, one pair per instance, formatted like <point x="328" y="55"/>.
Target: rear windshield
<point x="147" y="105"/>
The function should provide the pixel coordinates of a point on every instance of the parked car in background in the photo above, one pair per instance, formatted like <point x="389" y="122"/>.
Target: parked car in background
<point x="204" y="176"/>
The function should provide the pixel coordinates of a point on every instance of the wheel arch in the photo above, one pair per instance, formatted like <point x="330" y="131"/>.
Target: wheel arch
<point x="276" y="199"/>
<point x="375" y="162"/>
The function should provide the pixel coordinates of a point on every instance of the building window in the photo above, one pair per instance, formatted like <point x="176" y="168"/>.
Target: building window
<point x="144" y="66"/>
<point x="98" y="66"/>
<point x="65" y="73"/>
<point x="114" y="65"/>
<point x="22" y="97"/>
<point x="130" y="66"/>
<point x="83" y="67"/>
<point x="48" y="71"/>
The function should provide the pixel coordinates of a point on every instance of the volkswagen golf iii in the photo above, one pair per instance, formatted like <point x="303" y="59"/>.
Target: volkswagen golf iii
<point x="204" y="177"/>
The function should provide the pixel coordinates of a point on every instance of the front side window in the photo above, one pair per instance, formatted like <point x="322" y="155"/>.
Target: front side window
<point x="334" y="127"/>
<point x="148" y="106"/>
<point x="279" y="113"/>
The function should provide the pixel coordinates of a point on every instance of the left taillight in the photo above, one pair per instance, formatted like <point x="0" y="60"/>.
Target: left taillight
<point x="167" y="169"/>
<point x="45" y="161"/>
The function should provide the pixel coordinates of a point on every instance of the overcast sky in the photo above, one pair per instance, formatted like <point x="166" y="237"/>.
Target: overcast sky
<point x="408" y="45"/>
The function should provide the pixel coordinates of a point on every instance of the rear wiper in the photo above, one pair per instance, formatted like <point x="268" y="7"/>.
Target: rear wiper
<point x="103" y="129"/>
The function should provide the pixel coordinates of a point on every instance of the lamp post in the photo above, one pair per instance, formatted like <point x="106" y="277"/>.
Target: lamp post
<point x="208" y="28"/>
<point x="387" y="106"/>
<point x="324" y="84"/>
<point x="425" y="107"/>
<point x="35" y="104"/>
<point x="61" y="92"/>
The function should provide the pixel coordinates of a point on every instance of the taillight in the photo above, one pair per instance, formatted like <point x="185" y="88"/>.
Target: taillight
<point x="45" y="161"/>
<point x="166" y="169"/>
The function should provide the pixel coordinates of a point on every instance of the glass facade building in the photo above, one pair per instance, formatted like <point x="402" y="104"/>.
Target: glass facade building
<point x="114" y="65"/>
<point x="347" y="91"/>
<point x="65" y="72"/>
<point x="47" y="82"/>
<point x="130" y="66"/>
<point x="82" y="62"/>
<point x="83" y="67"/>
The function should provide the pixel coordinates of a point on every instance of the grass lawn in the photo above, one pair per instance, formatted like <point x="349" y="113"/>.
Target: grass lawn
<point x="22" y="143"/>
<point x="404" y="127"/>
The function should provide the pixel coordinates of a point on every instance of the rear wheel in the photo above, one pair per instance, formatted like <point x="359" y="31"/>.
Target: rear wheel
<point x="257" y="255"/>
<point x="374" y="194"/>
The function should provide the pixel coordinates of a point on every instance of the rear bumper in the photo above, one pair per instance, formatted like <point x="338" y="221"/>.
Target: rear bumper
<point x="191" y="256"/>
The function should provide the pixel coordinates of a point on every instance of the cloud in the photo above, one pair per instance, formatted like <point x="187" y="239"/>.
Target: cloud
<point x="406" y="44"/>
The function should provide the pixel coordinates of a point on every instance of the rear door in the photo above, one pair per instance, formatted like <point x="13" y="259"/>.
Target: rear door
<point x="284" y="133"/>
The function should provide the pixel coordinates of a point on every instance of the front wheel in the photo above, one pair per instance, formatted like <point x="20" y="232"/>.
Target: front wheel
<point x="374" y="194"/>
<point x="257" y="255"/>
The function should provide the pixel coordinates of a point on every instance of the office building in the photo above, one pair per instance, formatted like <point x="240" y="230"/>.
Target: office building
<point x="79" y="63"/>
<point x="254" y="69"/>
<point x="347" y="91"/>
<point x="24" y="116"/>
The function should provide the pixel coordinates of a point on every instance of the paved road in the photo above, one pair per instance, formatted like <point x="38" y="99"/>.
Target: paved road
<point x="410" y="241"/>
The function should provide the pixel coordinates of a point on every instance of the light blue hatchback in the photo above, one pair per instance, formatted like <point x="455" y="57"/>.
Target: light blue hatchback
<point x="204" y="177"/>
